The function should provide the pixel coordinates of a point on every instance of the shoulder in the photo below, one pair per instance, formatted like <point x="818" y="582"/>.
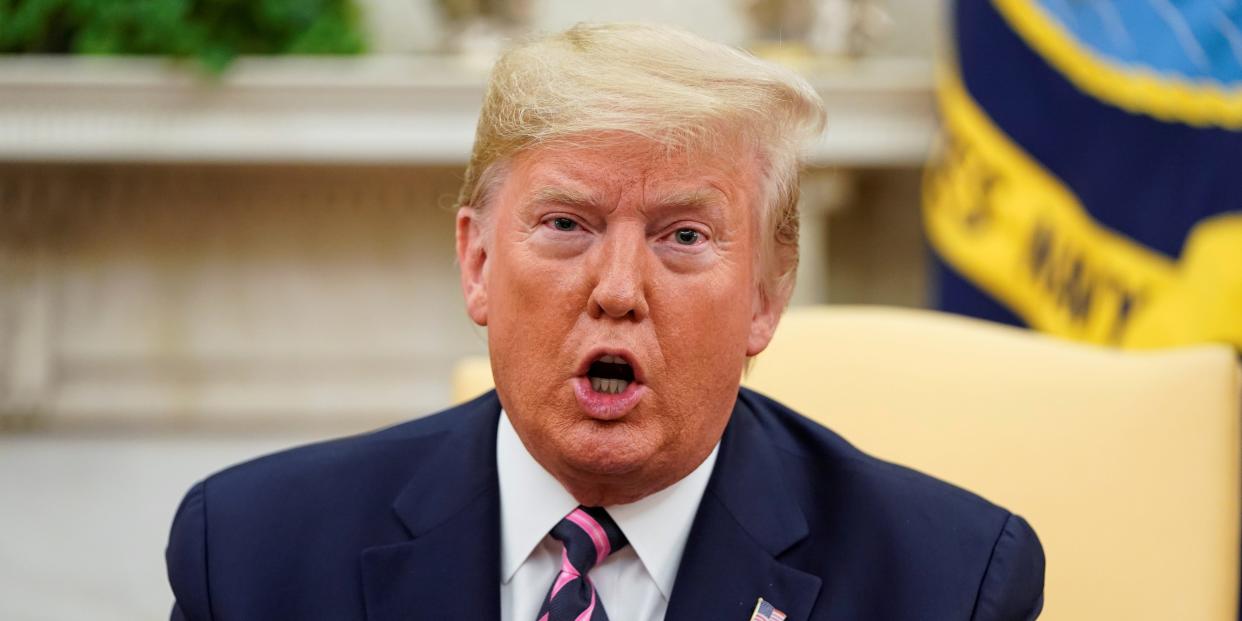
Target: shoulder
<point x="360" y="472"/>
<point x="337" y="466"/>
<point x="338" y="473"/>
<point x="295" y="520"/>
<point x="943" y="541"/>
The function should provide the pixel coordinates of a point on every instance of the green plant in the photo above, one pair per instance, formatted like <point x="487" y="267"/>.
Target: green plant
<point x="214" y="31"/>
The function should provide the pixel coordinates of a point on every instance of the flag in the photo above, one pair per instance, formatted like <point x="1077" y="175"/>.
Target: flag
<point x="1090" y="180"/>
<point x="765" y="612"/>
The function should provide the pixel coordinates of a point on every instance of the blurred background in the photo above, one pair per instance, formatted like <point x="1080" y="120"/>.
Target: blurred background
<point x="226" y="226"/>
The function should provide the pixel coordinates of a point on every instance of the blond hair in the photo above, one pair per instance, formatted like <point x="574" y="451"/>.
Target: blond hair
<point x="659" y="83"/>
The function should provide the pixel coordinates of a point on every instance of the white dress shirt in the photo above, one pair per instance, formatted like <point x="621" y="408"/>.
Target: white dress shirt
<point x="634" y="584"/>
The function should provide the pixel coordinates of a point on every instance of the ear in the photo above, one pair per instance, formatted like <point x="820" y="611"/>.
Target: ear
<point x="472" y="259"/>
<point x="765" y="315"/>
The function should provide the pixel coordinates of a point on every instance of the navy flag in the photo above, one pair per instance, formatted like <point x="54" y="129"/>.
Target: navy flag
<point x="1090" y="184"/>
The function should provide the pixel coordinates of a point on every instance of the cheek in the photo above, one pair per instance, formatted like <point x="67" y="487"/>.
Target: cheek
<point x="702" y="333"/>
<point x="533" y="303"/>
<point x="531" y="285"/>
<point x="703" y="324"/>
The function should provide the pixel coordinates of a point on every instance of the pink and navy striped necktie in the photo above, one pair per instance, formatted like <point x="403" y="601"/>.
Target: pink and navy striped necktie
<point x="589" y="536"/>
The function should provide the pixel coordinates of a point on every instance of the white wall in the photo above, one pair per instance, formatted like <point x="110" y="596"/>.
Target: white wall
<point x="235" y="295"/>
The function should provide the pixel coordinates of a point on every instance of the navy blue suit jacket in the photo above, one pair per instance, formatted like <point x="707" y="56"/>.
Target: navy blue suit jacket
<point x="404" y="523"/>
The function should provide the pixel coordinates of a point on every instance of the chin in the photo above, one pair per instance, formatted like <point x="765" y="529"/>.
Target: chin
<point x="605" y="449"/>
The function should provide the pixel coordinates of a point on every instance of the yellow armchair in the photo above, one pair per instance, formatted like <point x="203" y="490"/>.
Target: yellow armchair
<point x="1126" y="464"/>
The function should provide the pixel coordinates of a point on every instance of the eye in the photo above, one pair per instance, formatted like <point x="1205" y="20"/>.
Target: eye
<point x="687" y="237"/>
<point x="563" y="224"/>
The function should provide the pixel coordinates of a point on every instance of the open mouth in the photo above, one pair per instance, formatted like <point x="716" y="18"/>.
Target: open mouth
<point x="610" y="374"/>
<point x="609" y="384"/>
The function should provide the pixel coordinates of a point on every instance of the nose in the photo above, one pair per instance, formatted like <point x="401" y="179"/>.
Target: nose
<point x="620" y="266"/>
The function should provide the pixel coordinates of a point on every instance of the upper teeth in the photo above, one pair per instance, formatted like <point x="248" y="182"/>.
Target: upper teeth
<point x="613" y="359"/>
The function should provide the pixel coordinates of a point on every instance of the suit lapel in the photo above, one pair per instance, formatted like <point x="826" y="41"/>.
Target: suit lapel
<point x="450" y="568"/>
<point x="746" y="520"/>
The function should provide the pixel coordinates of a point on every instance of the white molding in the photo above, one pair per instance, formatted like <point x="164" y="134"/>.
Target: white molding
<point x="370" y="109"/>
<point x="248" y="389"/>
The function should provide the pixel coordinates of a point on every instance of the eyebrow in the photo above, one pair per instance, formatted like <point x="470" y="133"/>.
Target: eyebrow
<point x="692" y="200"/>
<point x="702" y="199"/>
<point x="564" y="196"/>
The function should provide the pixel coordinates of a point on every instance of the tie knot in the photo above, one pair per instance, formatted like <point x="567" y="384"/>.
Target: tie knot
<point x="589" y="536"/>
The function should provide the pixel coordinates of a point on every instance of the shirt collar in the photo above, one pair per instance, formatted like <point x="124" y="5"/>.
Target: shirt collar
<point x="532" y="501"/>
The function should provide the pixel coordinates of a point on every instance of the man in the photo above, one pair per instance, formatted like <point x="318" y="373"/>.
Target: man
<point x="627" y="232"/>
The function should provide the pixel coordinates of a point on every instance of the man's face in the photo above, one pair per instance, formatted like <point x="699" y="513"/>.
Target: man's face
<point x="619" y="287"/>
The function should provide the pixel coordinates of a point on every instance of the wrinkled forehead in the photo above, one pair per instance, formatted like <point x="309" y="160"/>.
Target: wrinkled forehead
<point x="597" y="166"/>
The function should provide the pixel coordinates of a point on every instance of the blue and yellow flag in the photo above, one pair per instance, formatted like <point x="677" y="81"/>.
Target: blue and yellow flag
<point x="1090" y="184"/>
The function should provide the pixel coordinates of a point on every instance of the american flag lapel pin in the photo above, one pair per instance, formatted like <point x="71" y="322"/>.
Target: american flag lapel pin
<point x="766" y="612"/>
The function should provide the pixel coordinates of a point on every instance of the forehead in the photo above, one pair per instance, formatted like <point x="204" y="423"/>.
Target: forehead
<point x="600" y="169"/>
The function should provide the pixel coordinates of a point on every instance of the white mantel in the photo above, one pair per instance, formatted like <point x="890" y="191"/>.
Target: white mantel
<point x="418" y="109"/>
